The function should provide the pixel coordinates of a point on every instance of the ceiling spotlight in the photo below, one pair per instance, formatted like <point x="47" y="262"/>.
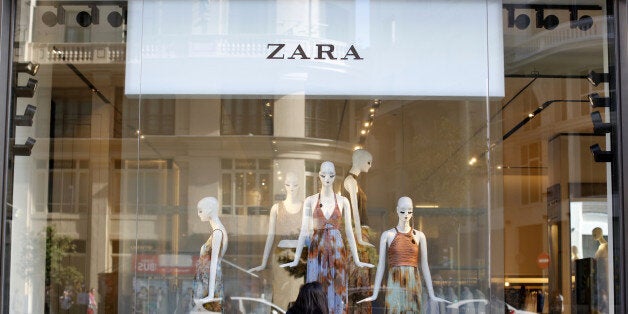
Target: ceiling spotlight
<point x="600" y="155"/>
<point x="599" y="127"/>
<point x="472" y="161"/>
<point x="95" y="12"/>
<point x="24" y="149"/>
<point x="597" y="78"/>
<point x="596" y="101"/>
<point x="84" y="19"/>
<point x="366" y="124"/>
<point x="27" y="67"/>
<point x="115" y="19"/>
<point x="583" y="23"/>
<point x="49" y="19"/>
<point x="522" y="21"/>
<point x="28" y="90"/>
<point x="362" y="132"/>
<point x="27" y="118"/>
<point x="548" y="22"/>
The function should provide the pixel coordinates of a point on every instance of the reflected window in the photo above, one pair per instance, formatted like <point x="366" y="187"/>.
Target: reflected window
<point x="71" y="118"/>
<point x="246" y="117"/>
<point x="322" y="114"/>
<point x="246" y="186"/>
<point x="156" y="117"/>
<point x="69" y="186"/>
<point x="153" y="185"/>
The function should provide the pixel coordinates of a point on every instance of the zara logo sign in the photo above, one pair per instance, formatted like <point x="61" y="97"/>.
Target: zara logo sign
<point x="323" y="51"/>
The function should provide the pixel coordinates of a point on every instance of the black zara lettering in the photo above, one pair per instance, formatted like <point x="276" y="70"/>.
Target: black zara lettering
<point x="272" y="54"/>
<point x="329" y="52"/>
<point x="323" y="52"/>
<point x="298" y="52"/>
<point x="352" y="52"/>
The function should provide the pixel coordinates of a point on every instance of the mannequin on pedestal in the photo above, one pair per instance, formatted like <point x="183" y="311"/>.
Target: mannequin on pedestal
<point x="602" y="249"/>
<point x="208" y="283"/>
<point x="601" y="274"/>
<point x="288" y="214"/>
<point x="327" y="257"/>
<point x="360" y="279"/>
<point x="405" y="248"/>
<point x="284" y="222"/>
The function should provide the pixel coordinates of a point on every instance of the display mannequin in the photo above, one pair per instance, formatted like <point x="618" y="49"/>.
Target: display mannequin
<point x="405" y="248"/>
<point x="601" y="264"/>
<point x="288" y="213"/>
<point x="360" y="279"/>
<point x="208" y="284"/>
<point x="361" y="162"/>
<point x="602" y="249"/>
<point x="326" y="262"/>
<point x="284" y="221"/>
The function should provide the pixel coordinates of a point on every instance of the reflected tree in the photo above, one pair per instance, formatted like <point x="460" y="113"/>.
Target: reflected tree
<point x="60" y="275"/>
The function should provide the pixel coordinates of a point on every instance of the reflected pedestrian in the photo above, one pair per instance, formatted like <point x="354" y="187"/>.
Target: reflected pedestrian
<point x="93" y="305"/>
<point x="311" y="300"/>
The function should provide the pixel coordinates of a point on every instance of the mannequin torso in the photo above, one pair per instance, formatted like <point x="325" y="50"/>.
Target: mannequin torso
<point x="285" y="220"/>
<point x="407" y="251"/>
<point x="208" y="291"/>
<point x="322" y="215"/>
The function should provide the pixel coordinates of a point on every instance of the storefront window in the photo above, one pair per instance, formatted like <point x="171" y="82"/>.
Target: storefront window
<point x="173" y="134"/>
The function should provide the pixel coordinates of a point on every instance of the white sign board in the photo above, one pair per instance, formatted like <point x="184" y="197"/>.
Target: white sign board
<point x="376" y="48"/>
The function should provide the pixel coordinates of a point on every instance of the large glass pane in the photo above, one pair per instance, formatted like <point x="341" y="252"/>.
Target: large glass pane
<point x="557" y="209"/>
<point x="477" y="111"/>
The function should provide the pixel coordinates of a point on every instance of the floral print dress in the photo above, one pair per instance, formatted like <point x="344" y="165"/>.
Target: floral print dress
<point x="327" y="258"/>
<point x="201" y="282"/>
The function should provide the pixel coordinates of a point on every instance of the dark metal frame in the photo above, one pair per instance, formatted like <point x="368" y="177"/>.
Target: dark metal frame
<point x="619" y="141"/>
<point x="7" y="18"/>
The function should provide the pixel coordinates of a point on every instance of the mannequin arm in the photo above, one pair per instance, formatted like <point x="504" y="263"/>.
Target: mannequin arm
<point x="352" y="187"/>
<point x="425" y="268"/>
<point x="350" y="238"/>
<point x="270" y="238"/>
<point x="383" y="244"/>
<point x="305" y="222"/>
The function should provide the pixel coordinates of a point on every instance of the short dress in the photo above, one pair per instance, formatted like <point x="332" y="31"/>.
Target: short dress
<point x="327" y="258"/>
<point x="201" y="282"/>
<point x="403" y="289"/>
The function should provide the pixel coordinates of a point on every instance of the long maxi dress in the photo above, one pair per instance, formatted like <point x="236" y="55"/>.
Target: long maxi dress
<point x="403" y="289"/>
<point x="361" y="278"/>
<point x="202" y="278"/>
<point x="327" y="257"/>
<point x="285" y="287"/>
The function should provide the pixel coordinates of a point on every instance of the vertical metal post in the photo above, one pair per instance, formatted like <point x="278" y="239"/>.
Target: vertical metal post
<point x="618" y="54"/>
<point x="7" y="16"/>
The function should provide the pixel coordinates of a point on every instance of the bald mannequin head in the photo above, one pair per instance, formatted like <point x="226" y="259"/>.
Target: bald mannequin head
<point x="207" y="208"/>
<point x="362" y="160"/>
<point x="291" y="183"/>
